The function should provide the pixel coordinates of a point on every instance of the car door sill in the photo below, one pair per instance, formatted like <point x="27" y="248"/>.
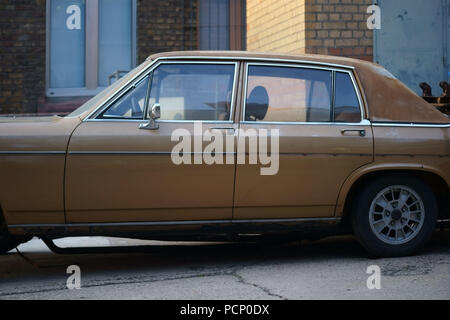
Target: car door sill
<point x="168" y="223"/>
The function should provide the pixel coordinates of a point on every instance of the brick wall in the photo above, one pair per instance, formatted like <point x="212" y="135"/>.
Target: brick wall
<point x="339" y="27"/>
<point x="22" y="55"/>
<point x="334" y="27"/>
<point x="276" y="26"/>
<point x="168" y="25"/>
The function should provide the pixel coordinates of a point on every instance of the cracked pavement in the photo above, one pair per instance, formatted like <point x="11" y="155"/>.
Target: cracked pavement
<point x="333" y="268"/>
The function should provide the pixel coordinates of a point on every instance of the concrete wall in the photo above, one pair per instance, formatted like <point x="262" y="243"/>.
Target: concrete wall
<point x="414" y="41"/>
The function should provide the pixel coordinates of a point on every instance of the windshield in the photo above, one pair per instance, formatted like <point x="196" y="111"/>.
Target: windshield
<point x="107" y="91"/>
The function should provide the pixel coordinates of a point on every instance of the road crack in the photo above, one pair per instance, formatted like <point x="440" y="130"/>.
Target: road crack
<point x="242" y="280"/>
<point x="118" y="281"/>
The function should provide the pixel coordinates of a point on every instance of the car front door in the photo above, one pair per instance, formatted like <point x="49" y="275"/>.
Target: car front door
<point x="322" y="140"/>
<point x="121" y="170"/>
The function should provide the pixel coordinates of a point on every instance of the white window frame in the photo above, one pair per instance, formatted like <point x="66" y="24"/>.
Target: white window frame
<point x="91" y="87"/>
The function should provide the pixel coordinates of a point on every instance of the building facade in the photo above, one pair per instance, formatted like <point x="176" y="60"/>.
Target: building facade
<point x="410" y="38"/>
<point x="56" y="54"/>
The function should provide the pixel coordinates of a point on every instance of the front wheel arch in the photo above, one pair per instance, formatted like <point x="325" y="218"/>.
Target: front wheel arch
<point x="7" y="241"/>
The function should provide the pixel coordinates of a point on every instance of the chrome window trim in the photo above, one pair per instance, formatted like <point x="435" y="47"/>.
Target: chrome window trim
<point x="153" y="63"/>
<point x="298" y="65"/>
<point x="137" y="153"/>
<point x="93" y="116"/>
<point x="122" y="94"/>
<point x="162" y="153"/>
<point x="32" y="153"/>
<point x="162" y="121"/>
<point x="276" y="60"/>
<point x="98" y="108"/>
<point x="362" y="123"/>
<point x="193" y="121"/>
<point x="412" y="124"/>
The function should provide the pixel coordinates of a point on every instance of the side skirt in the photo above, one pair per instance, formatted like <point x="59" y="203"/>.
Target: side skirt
<point x="190" y="230"/>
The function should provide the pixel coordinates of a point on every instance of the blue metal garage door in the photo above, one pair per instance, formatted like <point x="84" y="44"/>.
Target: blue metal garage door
<point x="413" y="42"/>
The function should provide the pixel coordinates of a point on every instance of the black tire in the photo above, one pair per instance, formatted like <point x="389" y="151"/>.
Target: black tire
<point x="361" y="216"/>
<point x="8" y="243"/>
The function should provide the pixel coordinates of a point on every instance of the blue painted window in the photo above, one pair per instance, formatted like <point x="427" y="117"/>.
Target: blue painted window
<point x="108" y="25"/>
<point x="115" y="38"/>
<point x="67" y="49"/>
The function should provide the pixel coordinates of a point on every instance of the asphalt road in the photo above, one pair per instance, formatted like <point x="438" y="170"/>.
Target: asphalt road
<point x="334" y="268"/>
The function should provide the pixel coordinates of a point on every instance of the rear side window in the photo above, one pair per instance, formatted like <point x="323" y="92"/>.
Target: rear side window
<point x="288" y="94"/>
<point x="347" y="107"/>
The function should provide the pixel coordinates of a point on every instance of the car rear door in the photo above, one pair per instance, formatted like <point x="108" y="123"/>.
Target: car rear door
<point x="323" y="138"/>
<point x="118" y="171"/>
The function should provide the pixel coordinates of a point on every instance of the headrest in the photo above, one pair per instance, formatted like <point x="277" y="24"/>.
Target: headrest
<point x="257" y="104"/>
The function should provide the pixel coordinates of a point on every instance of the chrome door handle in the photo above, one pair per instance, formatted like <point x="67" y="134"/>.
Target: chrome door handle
<point x="222" y="128"/>
<point x="361" y="132"/>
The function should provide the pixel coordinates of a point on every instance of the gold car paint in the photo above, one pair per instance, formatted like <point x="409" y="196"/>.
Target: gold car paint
<point x="32" y="160"/>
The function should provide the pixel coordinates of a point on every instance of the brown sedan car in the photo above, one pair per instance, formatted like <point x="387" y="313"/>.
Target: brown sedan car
<point x="177" y="150"/>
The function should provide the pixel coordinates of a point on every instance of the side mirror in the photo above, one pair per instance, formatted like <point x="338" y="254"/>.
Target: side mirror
<point x="155" y="111"/>
<point x="153" y="114"/>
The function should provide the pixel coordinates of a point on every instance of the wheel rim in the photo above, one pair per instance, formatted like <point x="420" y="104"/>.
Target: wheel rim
<point x="397" y="214"/>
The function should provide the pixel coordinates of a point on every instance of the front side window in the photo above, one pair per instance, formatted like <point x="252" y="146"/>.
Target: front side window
<point x="193" y="91"/>
<point x="288" y="94"/>
<point x="131" y="105"/>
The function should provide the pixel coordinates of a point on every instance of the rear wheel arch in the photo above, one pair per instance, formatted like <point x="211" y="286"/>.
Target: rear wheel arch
<point x="440" y="189"/>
